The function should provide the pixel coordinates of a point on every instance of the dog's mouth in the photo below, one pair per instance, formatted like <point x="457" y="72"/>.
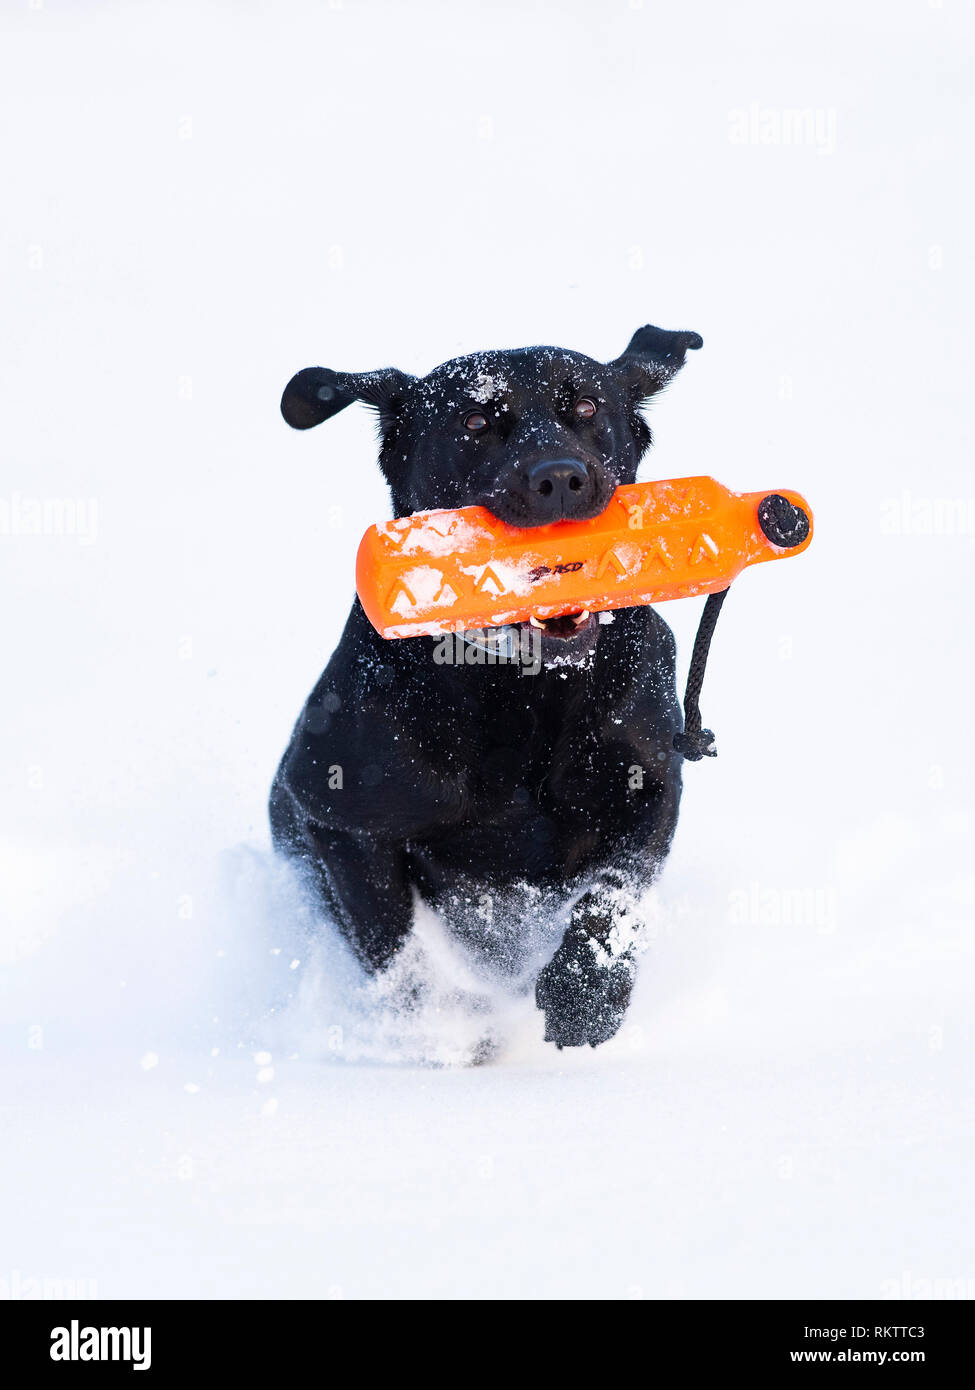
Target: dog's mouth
<point x="566" y="627"/>
<point x="569" y="639"/>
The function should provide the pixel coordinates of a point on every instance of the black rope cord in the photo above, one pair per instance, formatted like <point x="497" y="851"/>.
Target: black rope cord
<point x="786" y="526"/>
<point x="696" y="743"/>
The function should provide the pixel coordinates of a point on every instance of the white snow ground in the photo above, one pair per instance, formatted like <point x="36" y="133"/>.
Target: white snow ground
<point x="198" y="200"/>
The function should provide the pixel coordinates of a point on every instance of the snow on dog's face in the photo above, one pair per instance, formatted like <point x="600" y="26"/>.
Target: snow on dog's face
<point x="536" y="435"/>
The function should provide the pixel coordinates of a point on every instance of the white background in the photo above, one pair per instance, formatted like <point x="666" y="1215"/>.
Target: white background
<point x="197" y="201"/>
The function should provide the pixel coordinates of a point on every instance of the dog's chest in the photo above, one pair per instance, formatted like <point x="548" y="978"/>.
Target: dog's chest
<point x="544" y="800"/>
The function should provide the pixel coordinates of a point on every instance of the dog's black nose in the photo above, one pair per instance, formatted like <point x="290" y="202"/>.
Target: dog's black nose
<point x="557" y="487"/>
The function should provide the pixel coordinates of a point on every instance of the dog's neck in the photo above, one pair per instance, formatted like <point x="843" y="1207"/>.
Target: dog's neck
<point x="451" y="671"/>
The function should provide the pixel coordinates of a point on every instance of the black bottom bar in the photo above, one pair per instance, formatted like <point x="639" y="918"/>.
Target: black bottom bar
<point x="277" y="1338"/>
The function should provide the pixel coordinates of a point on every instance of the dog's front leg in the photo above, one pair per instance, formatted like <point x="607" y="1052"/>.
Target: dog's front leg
<point x="585" y="989"/>
<point x="363" y="881"/>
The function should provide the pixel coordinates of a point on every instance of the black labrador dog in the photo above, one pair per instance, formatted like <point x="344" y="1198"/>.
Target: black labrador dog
<point x="503" y="794"/>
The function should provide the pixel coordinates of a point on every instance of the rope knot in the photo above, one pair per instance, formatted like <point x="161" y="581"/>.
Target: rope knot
<point x="696" y="746"/>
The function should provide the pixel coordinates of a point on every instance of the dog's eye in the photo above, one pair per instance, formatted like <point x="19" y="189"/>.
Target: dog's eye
<point x="475" y="422"/>
<point x="584" y="408"/>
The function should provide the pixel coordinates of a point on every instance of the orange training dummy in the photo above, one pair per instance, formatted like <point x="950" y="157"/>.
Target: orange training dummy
<point x="448" y="571"/>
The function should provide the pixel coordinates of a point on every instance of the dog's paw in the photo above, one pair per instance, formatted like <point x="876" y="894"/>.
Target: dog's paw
<point x="583" y="993"/>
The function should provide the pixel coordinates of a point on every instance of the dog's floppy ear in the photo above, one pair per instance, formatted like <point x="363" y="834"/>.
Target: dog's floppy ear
<point x="652" y="357"/>
<point x="317" y="393"/>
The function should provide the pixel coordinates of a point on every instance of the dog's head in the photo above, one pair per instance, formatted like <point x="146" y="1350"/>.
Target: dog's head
<point x="535" y="435"/>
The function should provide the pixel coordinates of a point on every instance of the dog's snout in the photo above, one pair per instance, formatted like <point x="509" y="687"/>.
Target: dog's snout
<point x="551" y="477"/>
<point x="557" y="487"/>
<point x="541" y="491"/>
